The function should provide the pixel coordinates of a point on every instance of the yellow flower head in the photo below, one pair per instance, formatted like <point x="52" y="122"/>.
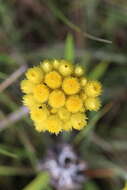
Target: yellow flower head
<point x="71" y="85"/>
<point x="35" y="75"/>
<point x="74" y="104"/>
<point x="54" y="124"/>
<point x="64" y="114"/>
<point x="67" y="125"/>
<point x="29" y="101"/>
<point x="78" y="120"/>
<point x="79" y="71"/>
<point x="83" y="109"/>
<point x="40" y="126"/>
<point x="41" y="93"/>
<point x="39" y="115"/>
<point x="83" y="81"/>
<point x="93" y="88"/>
<point x="58" y="95"/>
<point x="27" y="86"/>
<point x="92" y="104"/>
<point x="54" y="110"/>
<point x="56" y="64"/>
<point x="83" y="96"/>
<point x="65" y="68"/>
<point x="46" y="66"/>
<point x="53" y="79"/>
<point x="56" y="99"/>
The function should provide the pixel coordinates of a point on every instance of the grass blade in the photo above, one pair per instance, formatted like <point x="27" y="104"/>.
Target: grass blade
<point x="39" y="183"/>
<point x="99" y="70"/>
<point x="7" y="153"/>
<point x="69" y="48"/>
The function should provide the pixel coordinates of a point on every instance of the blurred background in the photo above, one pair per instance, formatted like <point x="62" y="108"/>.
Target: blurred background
<point x="90" y="32"/>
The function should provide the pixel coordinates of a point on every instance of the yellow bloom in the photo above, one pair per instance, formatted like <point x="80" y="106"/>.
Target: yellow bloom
<point x="93" y="88"/>
<point x="54" y="124"/>
<point x="74" y="104"/>
<point x="83" y="96"/>
<point x="83" y="109"/>
<point x="35" y="75"/>
<point x="56" y="64"/>
<point x="65" y="68"/>
<point x="79" y="71"/>
<point x="27" y="86"/>
<point x="92" y="104"/>
<point x="67" y="125"/>
<point x="56" y="99"/>
<point x="46" y="66"/>
<point x="54" y="110"/>
<point x="29" y="101"/>
<point x="39" y="115"/>
<point x="83" y="81"/>
<point x="40" y="126"/>
<point x="64" y="114"/>
<point x="78" y="120"/>
<point x="58" y="95"/>
<point x="41" y="93"/>
<point x="71" y="85"/>
<point x="53" y="79"/>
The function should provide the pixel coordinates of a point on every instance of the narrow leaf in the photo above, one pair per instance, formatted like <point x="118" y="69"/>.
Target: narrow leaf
<point x="98" y="71"/>
<point x="69" y="48"/>
<point x="39" y="183"/>
<point x="14" y="171"/>
<point x="7" y="153"/>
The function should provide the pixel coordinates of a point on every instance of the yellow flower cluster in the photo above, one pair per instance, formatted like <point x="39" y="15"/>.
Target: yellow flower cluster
<point x="58" y="94"/>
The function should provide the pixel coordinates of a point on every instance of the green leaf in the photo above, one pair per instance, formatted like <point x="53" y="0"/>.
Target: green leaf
<point x="92" y="123"/>
<point x="7" y="153"/>
<point x="14" y="171"/>
<point x="69" y="48"/>
<point x="98" y="71"/>
<point x="39" y="183"/>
